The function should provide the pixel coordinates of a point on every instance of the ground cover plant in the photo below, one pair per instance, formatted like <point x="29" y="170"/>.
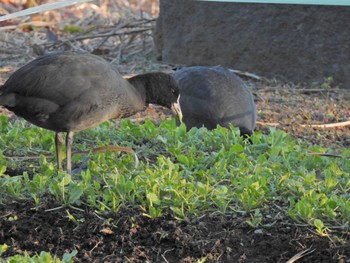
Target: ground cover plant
<point x="272" y="180"/>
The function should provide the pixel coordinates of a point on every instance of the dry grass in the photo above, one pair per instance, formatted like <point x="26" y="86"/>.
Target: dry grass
<point x="297" y="109"/>
<point x="120" y="31"/>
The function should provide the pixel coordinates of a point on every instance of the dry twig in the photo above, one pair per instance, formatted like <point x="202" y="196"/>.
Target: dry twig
<point x="32" y="23"/>
<point x="41" y="8"/>
<point x="300" y="255"/>
<point x="246" y="74"/>
<point x="328" y="125"/>
<point x="274" y="124"/>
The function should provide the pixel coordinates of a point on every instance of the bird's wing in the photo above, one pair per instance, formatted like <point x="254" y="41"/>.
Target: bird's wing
<point x="59" y="79"/>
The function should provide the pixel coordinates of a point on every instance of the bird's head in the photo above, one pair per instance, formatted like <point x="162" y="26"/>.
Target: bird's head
<point x="161" y="89"/>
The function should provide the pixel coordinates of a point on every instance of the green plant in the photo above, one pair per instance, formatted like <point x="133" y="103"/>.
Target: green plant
<point x="256" y="219"/>
<point x="320" y="228"/>
<point x="43" y="257"/>
<point x="187" y="173"/>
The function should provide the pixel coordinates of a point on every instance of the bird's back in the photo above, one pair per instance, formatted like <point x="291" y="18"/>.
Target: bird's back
<point x="215" y="95"/>
<point x="69" y="92"/>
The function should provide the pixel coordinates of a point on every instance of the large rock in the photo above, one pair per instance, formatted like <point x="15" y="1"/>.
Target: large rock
<point x="297" y="43"/>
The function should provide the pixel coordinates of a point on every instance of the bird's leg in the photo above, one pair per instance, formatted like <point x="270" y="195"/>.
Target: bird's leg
<point x="59" y="142"/>
<point x="69" y="142"/>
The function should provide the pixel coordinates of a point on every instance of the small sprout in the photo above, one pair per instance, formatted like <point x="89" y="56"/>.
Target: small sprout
<point x="320" y="228"/>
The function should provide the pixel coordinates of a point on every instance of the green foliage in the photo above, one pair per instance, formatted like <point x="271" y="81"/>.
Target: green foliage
<point x="320" y="228"/>
<point x="43" y="257"/>
<point x="187" y="173"/>
<point x="255" y="219"/>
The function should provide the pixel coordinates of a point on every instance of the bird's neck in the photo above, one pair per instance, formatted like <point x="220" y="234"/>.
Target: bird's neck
<point x="143" y="85"/>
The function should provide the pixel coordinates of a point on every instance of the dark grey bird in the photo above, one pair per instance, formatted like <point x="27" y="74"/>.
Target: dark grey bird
<point x="70" y="92"/>
<point x="215" y="95"/>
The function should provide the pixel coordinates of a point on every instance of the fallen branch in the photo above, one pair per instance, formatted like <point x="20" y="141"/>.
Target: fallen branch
<point x="41" y="8"/>
<point x="115" y="31"/>
<point x="328" y="125"/>
<point x="246" y="74"/>
<point x="32" y="23"/>
<point x="105" y="36"/>
<point x="274" y="124"/>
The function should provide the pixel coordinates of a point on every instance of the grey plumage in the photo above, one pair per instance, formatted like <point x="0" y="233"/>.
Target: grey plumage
<point x="70" y="92"/>
<point x="214" y="95"/>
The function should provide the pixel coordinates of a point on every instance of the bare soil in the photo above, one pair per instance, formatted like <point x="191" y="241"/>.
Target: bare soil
<point x="129" y="236"/>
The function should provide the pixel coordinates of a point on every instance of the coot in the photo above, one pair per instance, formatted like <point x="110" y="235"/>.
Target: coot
<point x="70" y="92"/>
<point x="215" y="95"/>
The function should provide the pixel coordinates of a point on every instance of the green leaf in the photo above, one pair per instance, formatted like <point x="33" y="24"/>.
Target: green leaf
<point x="3" y="248"/>
<point x="179" y="212"/>
<point x="152" y="198"/>
<point x="318" y="224"/>
<point x="75" y="192"/>
<point x="2" y="169"/>
<point x="237" y="148"/>
<point x="68" y="257"/>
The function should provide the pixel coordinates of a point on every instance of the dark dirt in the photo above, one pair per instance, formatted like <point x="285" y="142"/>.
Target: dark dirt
<point x="129" y="236"/>
<point x="295" y="109"/>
